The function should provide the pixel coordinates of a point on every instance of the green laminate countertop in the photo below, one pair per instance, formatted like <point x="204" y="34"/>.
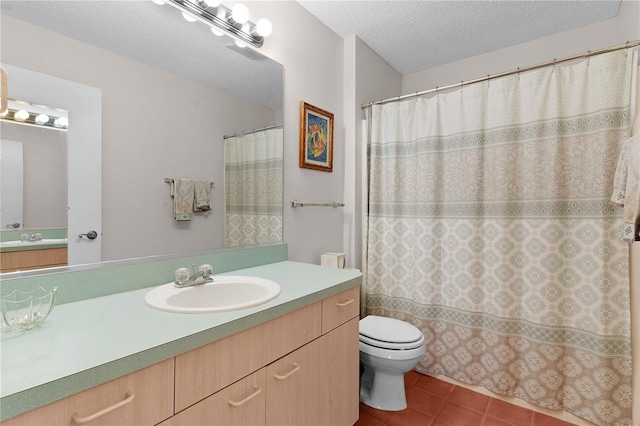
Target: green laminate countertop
<point x="32" y="247"/>
<point x="89" y="342"/>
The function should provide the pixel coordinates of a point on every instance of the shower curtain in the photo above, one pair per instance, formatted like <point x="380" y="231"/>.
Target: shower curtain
<point x="253" y="188"/>
<point x="489" y="229"/>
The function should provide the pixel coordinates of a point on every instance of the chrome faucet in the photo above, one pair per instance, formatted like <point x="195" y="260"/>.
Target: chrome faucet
<point x="197" y="278"/>
<point x="35" y="237"/>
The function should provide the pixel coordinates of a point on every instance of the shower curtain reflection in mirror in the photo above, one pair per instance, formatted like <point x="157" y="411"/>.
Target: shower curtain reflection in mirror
<point x="253" y="187"/>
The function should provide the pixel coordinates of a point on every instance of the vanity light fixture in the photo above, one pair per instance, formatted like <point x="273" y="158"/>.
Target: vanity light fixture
<point x="188" y="17"/>
<point x="222" y="20"/>
<point x="27" y="113"/>
<point x="42" y="119"/>
<point x="61" y="122"/>
<point x="20" y="115"/>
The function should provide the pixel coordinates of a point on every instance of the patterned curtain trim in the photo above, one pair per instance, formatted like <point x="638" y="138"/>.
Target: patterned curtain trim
<point x="567" y="127"/>
<point x="607" y="346"/>
<point x="523" y="209"/>
<point x="263" y="165"/>
<point x="255" y="209"/>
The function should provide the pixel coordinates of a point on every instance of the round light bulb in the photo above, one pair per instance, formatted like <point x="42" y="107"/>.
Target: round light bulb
<point x="217" y="32"/>
<point x="61" y="122"/>
<point x="240" y="13"/>
<point x="188" y="17"/>
<point x="21" y="115"/>
<point x="240" y="44"/>
<point x="42" y="119"/>
<point x="264" y="27"/>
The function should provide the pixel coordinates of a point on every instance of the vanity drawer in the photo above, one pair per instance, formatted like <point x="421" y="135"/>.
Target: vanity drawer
<point x="205" y="370"/>
<point x="141" y="398"/>
<point x="338" y="309"/>
<point x="242" y="403"/>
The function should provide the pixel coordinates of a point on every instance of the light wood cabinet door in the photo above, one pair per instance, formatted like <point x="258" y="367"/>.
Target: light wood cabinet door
<point x="340" y="373"/>
<point x="205" y="370"/>
<point x="141" y="398"/>
<point x="338" y="309"/>
<point x="293" y="395"/>
<point x="24" y="260"/>
<point x="241" y="404"/>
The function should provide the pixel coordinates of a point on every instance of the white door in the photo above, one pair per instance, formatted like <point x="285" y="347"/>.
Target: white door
<point x="11" y="179"/>
<point x="84" y="138"/>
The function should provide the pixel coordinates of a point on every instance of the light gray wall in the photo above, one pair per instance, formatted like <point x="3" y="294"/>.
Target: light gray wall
<point x="313" y="61"/>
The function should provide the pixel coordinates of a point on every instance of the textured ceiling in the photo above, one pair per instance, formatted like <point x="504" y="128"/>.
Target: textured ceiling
<point x="415" y="35"/>
<point x="160" y="37"/>
<point x="410" y="35"/>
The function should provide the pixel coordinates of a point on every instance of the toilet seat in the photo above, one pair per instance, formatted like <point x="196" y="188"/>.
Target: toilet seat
<point x="389" y="333"/>
<point x="391" y="345"/>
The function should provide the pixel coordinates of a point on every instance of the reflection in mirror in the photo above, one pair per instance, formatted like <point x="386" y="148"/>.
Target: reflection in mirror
<point x="33" y="195"/>
<point x="253" y="187"/>
<point x="170" y="92"/>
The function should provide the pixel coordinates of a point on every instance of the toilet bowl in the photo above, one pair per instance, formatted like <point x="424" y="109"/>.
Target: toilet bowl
<point x="388" y="349"/>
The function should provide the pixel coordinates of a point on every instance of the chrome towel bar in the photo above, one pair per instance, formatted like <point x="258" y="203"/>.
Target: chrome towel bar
<point x="295" y="204"/>
<point x="170" y="180"/>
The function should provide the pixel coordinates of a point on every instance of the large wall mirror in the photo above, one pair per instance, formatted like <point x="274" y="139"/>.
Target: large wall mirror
<point x="170" y="94"/>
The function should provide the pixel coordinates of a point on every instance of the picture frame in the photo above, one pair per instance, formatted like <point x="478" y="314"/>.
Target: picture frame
<point x="316" y="138"/>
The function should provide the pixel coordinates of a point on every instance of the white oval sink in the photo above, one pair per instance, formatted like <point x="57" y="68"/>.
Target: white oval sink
<point x="225" y="293"/>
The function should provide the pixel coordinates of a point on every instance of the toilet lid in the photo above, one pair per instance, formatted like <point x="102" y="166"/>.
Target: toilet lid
<point x="389" y="330"/>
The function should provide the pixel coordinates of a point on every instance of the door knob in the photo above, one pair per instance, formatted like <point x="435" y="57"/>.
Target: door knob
<point x="92" y="235"/>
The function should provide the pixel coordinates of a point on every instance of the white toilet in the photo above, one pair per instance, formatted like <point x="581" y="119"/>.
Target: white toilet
<point x="388" y="349"/>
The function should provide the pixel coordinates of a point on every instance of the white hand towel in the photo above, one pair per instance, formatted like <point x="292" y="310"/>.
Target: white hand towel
<point x="182" y="191"/>
<point x="626" y="187"/>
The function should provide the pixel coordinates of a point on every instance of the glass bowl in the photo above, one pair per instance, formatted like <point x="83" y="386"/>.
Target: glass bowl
<point x="24" y="310"/>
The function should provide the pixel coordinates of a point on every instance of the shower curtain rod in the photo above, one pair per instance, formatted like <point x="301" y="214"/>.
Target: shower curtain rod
<point x="248" y="132"/>
<point x="506" y="73"/>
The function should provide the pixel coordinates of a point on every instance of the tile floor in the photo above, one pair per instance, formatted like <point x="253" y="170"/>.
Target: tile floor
<point x="433" y="402"/>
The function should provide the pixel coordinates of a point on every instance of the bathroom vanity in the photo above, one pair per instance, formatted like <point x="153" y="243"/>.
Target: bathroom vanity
<point x="24" y="260"/>
<point x="293" y="360"/>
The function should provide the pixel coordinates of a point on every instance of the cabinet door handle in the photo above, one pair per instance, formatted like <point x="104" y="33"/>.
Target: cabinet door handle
<point x="343" y="304"/>
<point x="253" y="395"/>
<point x="296" y="367"/>
<point x="81" y="420"/>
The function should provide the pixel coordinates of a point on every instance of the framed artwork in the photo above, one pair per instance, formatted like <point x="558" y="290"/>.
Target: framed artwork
<point x="316" y="138"/>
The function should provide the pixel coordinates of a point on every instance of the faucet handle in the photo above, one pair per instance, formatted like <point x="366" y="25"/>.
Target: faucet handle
<point x="206" y="270"/>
